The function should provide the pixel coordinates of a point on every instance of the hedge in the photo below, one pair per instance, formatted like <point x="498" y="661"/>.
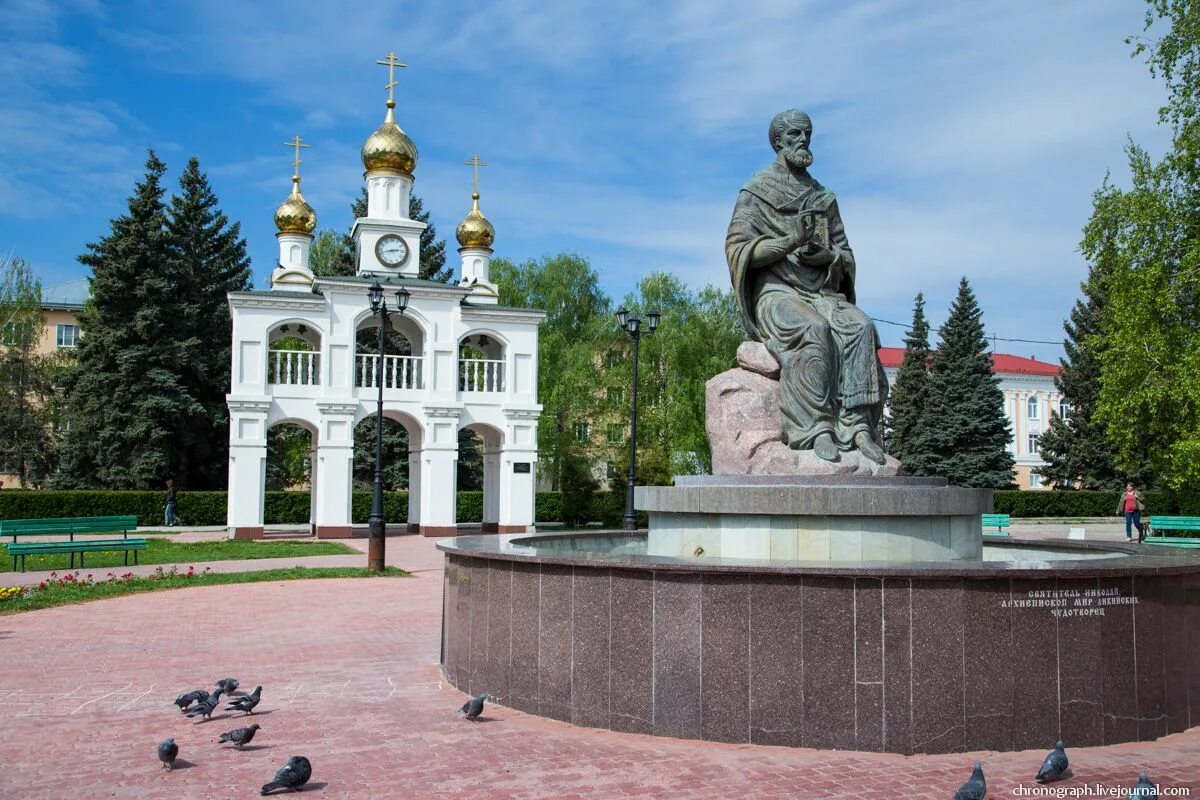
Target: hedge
<point x="1091" y="504"/>
<point x="208" y="508"/>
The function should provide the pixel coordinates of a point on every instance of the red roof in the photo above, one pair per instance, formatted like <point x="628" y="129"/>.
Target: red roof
<point x="1001" y="362"/>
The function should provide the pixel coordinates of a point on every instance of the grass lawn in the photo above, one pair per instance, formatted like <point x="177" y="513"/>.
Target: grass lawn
<point x="165" y="551"/>
<point x="60" y="594"/>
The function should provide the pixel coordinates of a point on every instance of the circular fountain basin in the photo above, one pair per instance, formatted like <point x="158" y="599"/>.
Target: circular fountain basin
<point x="1037" y="641"/>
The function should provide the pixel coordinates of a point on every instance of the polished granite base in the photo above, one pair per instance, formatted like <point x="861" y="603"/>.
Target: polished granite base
<point x="900" y="658"/>
<point x="809" y="518"/>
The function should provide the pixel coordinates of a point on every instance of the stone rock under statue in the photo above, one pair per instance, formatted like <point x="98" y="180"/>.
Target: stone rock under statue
<point x="808" y="395"/>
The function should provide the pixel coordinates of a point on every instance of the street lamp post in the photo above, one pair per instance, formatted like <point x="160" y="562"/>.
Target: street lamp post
<point x="377" y="521"/>
<point x="633" y="326"/>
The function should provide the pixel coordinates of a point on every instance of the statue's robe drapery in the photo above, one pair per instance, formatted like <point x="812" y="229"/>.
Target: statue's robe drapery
<point x="831" y="378"/>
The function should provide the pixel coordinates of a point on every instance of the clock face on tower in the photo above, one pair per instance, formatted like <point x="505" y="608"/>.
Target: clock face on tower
<point x="391" y="250"/>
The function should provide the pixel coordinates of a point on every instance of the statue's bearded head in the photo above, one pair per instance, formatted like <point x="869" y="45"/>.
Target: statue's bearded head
<point x="791" y="131"/>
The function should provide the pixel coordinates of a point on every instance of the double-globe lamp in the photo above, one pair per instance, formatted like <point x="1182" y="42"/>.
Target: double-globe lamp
<point x="633" y="326"/>
<point x="377" y="521"/>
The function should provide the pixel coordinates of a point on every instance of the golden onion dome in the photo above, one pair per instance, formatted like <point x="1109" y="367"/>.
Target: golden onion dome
<point x="475" y="230"/>
<point x="295" y="215"/>
<point x="389" y="147"/>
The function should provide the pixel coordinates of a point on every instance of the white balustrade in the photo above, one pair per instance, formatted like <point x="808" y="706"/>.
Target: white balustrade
<point x="480" y="375"/>
<point x="294" y="368"/>
<point x="399" y="372"/>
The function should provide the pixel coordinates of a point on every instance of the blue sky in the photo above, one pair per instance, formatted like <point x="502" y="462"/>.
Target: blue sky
<point x="961" y="138"/>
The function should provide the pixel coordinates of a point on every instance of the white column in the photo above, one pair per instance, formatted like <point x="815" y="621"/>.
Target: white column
<point x="334" y="470"/>
<point x="387" y="195"/>
<point x="414" y="485"/>
<point x="517" y="480"/>
<point x="247" y="466"/>
<point x="491" y="487"/>
<point x="439" y="491"/>
<point x="293" y="270"/>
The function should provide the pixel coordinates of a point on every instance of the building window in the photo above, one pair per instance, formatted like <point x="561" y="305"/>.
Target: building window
<point x="612" y="358"/>
<point x="615" y="433"/>
<point x="1035" y="479"/>
<point x="616" y="396"/>
<point x="611" y="470"/>
<point x="68" y="336"/>
<point x="1031" y="408"/>
<point x="1064" y="409"/>
<point x="581" y="431"/>
<point x="1033" y="442"/>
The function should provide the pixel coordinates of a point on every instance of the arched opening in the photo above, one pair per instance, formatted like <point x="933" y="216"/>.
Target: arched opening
<point x="403" y="366"/>
<point x="294" y="356"/>
<point x="480" y="363"/>
<point x="479" y="470"/>
<point x="401" y="470"/>
<point x="291" y="449"/>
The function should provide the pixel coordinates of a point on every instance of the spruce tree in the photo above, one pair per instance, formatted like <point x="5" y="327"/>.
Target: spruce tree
<point x="907" y="398"/>
<point x="964" y="430"/>
<point x="125" y="398"/>
<point x="433" y="250"/>
<point x="1075" y="449"/>
<point x="206" y="257"/>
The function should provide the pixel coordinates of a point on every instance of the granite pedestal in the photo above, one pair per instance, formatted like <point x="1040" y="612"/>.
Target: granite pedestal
<point x="814" y="518"/>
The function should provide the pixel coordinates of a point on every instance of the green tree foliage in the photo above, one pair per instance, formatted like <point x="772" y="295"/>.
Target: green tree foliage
<point x="964" y="430"/>
<point x="334" y="254"/>
<point x="127" y="396"/>
<point x="206" y="259"/>
<point x="1149" y="345"/>
<point x="577" y="320"/>
<point x="26" y="376"/>
<point x="697" y="338"/>
<point x="1076" y="449"/>
<point x="289" y="449"/>
<point x="908" y="396"/>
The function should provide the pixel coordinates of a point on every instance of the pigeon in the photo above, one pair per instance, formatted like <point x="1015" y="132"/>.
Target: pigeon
<point x="206" y="706"/>
<point x="1144" y="789"/>
<point x="294" y="774"/>
<point x="247" y="702"/>
<point x="185" y="700"/>
<point x="473" y="707"/>
<point x="240" y="737"/>
<point x="168" y="750"/>
<point x="975" y="788"/>
<point x="1055" y="765"/>
<point x="227" y="685"/>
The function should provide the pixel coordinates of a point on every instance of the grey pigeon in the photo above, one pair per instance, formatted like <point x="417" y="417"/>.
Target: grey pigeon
<point x="1144" y="788"/>
<point x="1055" y="766"/>
<point x="294" y="774"/>
<point x="240" y="737"/>
<point x="473" y="707"/>
<point x="248" y="702"/>
<point x="975" y="788"/>
<point x="185" y="700"/>
<point x="206" y="706"/>
<point x="227" y="685"/>
<point x="168" y="750"/>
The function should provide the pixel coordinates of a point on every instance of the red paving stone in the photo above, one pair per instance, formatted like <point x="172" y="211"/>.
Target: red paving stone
<point x="350" y="677"/>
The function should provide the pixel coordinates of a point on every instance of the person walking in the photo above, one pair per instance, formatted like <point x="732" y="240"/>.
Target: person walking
<point x="1132" y="504"/>
<point x="169" y="518"/>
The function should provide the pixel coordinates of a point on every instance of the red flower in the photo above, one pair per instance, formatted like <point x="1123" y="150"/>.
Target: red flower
<point x="42" y="585"/>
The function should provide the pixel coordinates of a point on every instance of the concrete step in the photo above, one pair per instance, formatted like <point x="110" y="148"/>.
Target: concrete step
<point x="277" y="536"/>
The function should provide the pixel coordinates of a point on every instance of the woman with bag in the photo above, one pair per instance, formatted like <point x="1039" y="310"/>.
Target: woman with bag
<point x="1133" y="504"/>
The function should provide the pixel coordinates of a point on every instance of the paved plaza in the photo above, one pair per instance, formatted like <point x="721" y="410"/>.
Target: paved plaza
<point x="350" y="678"/>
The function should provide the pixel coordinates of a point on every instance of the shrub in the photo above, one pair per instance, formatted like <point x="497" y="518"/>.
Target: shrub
<point x="209" y="508"/>
<point x="1091" y="504"/>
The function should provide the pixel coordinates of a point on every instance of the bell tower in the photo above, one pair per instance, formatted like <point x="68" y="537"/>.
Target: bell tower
<point x="387" y="241"/>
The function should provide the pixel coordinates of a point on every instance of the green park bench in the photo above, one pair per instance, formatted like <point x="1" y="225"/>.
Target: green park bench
<point x="68" y="526"/>
<point x="1174" y="524"/>
<point x="997" y="521"/>
<point x="22" y="549"/>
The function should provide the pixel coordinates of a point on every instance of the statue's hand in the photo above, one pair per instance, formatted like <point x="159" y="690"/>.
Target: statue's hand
<point x="814" y="255"/>
<point x="803" y="233"/>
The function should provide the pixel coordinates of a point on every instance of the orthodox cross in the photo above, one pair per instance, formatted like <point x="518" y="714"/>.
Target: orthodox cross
<point x="391" y="62"/>
<point x="295" y="143"/>
<point x="475" y="164"/>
